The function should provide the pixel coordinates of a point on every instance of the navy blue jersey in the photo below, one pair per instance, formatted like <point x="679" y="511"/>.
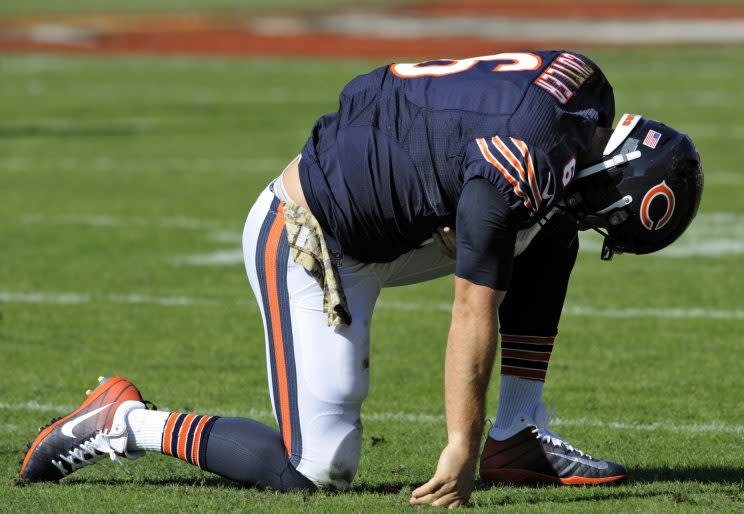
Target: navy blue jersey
<point x="389" y="166"/>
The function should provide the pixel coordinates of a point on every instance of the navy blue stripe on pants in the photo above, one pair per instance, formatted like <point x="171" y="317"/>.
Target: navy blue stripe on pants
<point x="272" y="254"/>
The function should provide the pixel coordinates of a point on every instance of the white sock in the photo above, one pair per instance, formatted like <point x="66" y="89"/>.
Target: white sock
<point x="145" y="429"/>
<point x="517" y="396"/>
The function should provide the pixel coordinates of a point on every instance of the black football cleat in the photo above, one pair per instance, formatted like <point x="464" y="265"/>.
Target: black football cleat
<point x="530" y="453"/>
<point x="95" y="429"/>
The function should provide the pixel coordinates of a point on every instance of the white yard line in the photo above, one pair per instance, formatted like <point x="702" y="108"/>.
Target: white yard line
<point x="207" y="94"/>
<point x="36" y="406"/>
<point x="650" y="312"/>
<point x="226" y="236"/>
<point x="45" y="298"/>
<point x="104" y="164"/>
<point x="694" y="98"/>
<point x="64" y="124"/>
<point x="688" y="246"/>
<point x="717" y="132"/>
<point x="579" y="310"/>
<point x="103" y="220"/>
<point x="408" y="417"/>
<point x="68" y="298"/>
<point x="726" y="178"/>
<point x="33" y="64"/>
<point x="694" y="428"/>
<point x="509" y="28"/>
<point x="716" y="234"/>
<point x="78" y="299"/>
<point x="218" y="258"/>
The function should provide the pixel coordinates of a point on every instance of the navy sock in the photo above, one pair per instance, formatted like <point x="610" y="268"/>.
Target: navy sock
<point x="251" y="453"/>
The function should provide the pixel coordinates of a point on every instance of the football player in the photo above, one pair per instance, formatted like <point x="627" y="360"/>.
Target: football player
<point x="483" y="167"/>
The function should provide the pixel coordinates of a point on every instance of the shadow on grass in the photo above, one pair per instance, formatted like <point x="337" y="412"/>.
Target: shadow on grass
<point x="642" y="483"/>
<point x="704" y="474"/>
<point x="656" y="475"/>
<point x="207" y="481"/>
<point x="636" y="476"/>
<point x="223" y="483"/>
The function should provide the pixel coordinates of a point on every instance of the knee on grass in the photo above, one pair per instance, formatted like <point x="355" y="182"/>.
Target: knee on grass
<point x="332" y="463"/>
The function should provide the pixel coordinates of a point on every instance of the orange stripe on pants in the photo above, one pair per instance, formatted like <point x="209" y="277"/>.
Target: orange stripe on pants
<point x="272" y="248"/>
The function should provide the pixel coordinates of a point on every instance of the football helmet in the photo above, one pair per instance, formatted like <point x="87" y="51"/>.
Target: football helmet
<point x="646" y="190"/>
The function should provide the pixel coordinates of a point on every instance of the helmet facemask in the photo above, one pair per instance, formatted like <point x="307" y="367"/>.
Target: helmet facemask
<point x="588" y="213"/>
<point x="645" y="192"/>
<point x="596" y="203"/>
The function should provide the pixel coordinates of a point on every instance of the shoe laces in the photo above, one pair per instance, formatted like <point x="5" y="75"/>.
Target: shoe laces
<point x="86" y="453"/>
<point x="542" y="420"/>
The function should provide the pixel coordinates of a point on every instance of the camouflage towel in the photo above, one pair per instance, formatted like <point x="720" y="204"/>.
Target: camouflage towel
<point x="308" y="248"/>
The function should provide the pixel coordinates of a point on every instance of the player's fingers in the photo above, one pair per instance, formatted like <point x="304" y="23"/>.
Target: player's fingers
<point x="455" y="504"/>
<point x="445" y="500"/>
<point x="435" y="495"/>
<point x="429" y="499"/>
<point x="444" y="490"/>
<point x="428" y="488"/>
<point x="424" y="500"/>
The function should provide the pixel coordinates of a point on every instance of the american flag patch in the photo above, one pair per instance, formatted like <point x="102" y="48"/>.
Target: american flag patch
<point x="652" y="139"/>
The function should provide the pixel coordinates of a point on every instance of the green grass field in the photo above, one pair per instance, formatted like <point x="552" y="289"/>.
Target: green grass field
<point x="124" y="184"/>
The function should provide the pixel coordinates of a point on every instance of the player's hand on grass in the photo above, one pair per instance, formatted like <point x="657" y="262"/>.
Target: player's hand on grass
<point x="446" y="240"/>
<point x="452" y="482"/>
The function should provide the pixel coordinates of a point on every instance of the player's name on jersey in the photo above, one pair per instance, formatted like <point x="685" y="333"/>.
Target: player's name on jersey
<point x="564" y="76"/>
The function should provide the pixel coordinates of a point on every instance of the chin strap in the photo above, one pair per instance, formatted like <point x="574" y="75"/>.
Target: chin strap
<point x="607" y="251"/>
<point x="622" y="202"/>
<point x="615" y="213"/>
<point x="606" y="165"/>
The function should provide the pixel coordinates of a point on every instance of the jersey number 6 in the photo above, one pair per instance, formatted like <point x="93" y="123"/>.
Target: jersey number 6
<point x="518" y="61"/>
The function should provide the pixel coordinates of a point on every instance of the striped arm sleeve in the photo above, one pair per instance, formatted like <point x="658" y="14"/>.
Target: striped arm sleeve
<point x="510" y="159"/>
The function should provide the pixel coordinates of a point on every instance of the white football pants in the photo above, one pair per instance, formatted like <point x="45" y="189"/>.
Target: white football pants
<point x="319" y="375"/>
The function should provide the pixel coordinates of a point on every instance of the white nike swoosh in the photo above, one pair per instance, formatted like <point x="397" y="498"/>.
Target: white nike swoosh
<point x="68" y="427"/>
<point x="594" y="464"/>
<point x="546" y="190"/>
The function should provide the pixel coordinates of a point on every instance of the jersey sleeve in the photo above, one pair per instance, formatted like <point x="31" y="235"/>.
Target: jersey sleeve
<point x="486" y="231"/>
<point x="522" y="173"/>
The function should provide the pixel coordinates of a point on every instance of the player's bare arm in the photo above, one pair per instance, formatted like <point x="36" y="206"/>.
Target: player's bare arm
<point x="471" y="346"/>
<point x="484" y="243"/>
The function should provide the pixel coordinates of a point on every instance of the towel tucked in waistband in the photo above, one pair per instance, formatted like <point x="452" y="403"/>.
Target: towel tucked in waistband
<point x="308" y="248"/>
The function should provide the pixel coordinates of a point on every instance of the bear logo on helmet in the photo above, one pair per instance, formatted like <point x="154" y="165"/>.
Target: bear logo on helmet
<point x="659" y="190"/>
